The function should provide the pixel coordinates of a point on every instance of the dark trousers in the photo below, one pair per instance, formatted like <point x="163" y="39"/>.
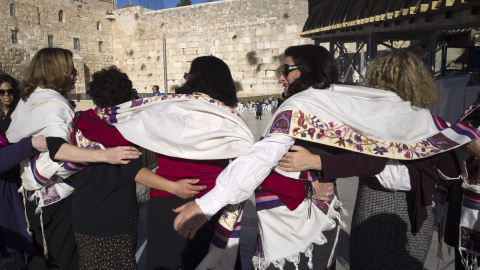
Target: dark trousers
<point x="166" y="249"/>
<point x="58" y="231"/>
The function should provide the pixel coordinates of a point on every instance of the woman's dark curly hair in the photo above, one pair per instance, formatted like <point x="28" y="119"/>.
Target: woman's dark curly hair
<point x="4" y="78"/>
<point x="110" y="87"/>
<point x="211" y="76"/>
<point x="318" y="69"/>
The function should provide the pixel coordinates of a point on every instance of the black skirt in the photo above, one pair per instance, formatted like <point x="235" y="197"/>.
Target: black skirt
<point x="108" y="252"/>
<point x="166" y="249"/>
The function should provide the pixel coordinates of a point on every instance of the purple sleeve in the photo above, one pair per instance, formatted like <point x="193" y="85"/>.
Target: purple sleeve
<point x="351" y="164"/>
<point x="13" y="154"/>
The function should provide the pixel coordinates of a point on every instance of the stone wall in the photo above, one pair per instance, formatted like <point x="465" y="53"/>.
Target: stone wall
<point x="249" y="35"/>
<point x="35" y="20"/>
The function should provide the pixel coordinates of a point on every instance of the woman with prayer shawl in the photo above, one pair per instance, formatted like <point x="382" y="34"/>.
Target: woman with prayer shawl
<point x="104" y="206"/>
<point x="320" y="219"/>
<point x="392" y="223"/>
<point x="194" y="133"/>
<point x="46" y="184"/>
<point x="357" y="119"/>
<point x="458" y="222"/>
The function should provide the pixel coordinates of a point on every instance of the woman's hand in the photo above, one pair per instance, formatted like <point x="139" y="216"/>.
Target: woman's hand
<point x="189" y="219"/>
<point x="39" y="143"/>
<point x="323" y="191"/>
<point x="120" y="154"/>
<point x="185" y="188"/>
<point x="299" y="160"/>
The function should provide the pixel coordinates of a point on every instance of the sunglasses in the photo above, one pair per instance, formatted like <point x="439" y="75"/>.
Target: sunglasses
<point x="185" y="76"/>
<point x="287" y="69"/>
<point x="9" y="91"/>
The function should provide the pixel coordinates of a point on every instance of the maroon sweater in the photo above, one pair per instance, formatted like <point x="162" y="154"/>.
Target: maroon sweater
<point x="423" y="176"/>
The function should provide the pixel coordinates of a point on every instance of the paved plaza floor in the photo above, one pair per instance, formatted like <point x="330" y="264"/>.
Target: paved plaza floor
<point x="347" y="191"/>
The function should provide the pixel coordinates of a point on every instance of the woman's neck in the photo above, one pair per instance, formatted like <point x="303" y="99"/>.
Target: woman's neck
<point x="5" y="110"/>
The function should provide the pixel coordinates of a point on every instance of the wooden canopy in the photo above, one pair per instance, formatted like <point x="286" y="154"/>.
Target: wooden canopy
<point x="351" y="20"/>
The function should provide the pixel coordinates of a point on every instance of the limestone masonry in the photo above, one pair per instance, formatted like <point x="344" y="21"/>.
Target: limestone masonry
<point x="249" y="35"/>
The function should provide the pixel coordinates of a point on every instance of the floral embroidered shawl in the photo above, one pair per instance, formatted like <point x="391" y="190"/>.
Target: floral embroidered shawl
<point x="368" y="121"/>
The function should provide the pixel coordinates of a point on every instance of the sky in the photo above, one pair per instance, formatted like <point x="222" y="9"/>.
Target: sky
<point x="167" y="3"/>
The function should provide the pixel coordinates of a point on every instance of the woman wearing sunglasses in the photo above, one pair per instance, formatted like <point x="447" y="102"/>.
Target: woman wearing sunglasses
<point x="392" y="224"/>
<point x="289" y="227"/>
<point x="9" y="95"/>
<point x="326" y="119"/>
<point x="15" y="243"/>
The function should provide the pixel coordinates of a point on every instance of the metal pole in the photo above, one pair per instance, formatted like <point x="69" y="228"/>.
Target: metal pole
<point x="432" y="44"/>
<point x="362" y="61"/>
<point x="165" y="85"/>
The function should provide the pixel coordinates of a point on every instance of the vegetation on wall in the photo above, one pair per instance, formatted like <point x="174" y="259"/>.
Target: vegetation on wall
<point x="184" y="3"/>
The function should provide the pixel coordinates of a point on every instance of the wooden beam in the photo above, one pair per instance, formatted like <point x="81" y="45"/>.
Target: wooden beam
<point x="424" y="7"/>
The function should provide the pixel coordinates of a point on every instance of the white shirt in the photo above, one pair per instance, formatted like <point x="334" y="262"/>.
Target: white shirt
<point x="240" y="179"/>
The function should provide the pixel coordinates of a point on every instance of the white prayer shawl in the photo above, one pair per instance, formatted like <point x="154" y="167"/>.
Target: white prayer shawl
<point x="189" y="126"/>
<point x="184" y="126"/>
<point x="46" y="112"/>
<point x="285" y="233"/>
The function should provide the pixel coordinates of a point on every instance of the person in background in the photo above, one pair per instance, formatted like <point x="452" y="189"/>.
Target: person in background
<point x="135" y="94"/>
<point x="259" y="110"/>
<point x="156" y="91"/>
<point x="9" y="96"/>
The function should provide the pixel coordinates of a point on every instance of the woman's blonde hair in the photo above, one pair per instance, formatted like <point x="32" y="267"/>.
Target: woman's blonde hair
<point x="50" y="68"/>
<point x="405" y="74"/>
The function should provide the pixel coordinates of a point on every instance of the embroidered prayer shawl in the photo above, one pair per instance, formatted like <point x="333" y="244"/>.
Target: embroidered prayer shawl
<point x="357" y="119"/>
<point x="46" y="113"/>
<point x="190" y="126"/>
<point x="369" y="121"/>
